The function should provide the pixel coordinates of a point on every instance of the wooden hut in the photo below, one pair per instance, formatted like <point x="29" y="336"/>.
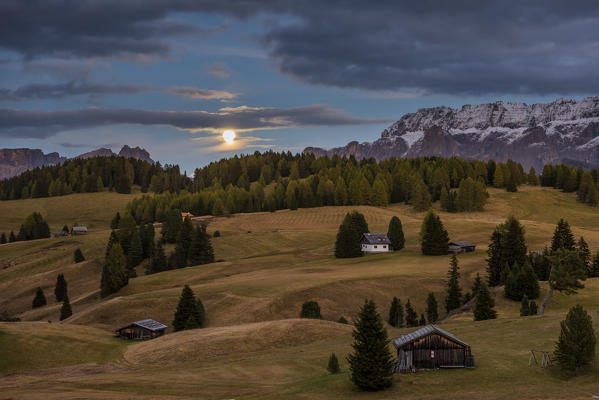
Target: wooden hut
<point x="144" y="329"/>
<point x="431" y="348"/>
<point x="459" y="247"/>
<point x="78" y="230"/>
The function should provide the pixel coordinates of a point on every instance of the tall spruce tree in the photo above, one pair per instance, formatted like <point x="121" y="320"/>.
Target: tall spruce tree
<point x="158" y="261"/>
<point x="575" y="347"/>
<point x="524" y="306"/>
<point x="562" y="237"/>
<point x="494" y="260"/>
<point x="111" y="241"/>
<point x="310" y="309"/>
<point x="135" y="255"/>
<point x="114" y="224"/>
<point x="432" y="308"/>
<point x="11" y="237"/>
<point x="454" y="291"/>
<point x="521" y="280"/>
<point x="147" y="233"/>
<point x="585" y="255"/>
<point x="333" y="364"/>
<point x="484" y="303"/>
<point x="371" y="362"/>
<point x="65" y="310"/>
<point x="186" y="309"/>
<point x="200" y="249"/>
<point x="39" y="300"/>
<point x="411" y="315"/>
<point x="3" y="239"/>
<point x="114" y="273"/>
<point x="476" y="286"/>
<point x="395" y="234"/>
<point x="433" y="236"/>
<point x="60" y="290"/>
<point x="513" y="244"/>
<point x="595" y="267"/>
<point x="186" y="235"/>
<point x="396" y="313"/>
<point x="347" y="244"/>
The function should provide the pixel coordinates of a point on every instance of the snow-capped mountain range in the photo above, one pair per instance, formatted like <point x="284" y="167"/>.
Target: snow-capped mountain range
<point x="533" y="135"/>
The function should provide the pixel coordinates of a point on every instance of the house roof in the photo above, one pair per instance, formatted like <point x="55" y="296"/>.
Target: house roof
<point x="80" y="228"/>
<point x="148" y="324"/>
<point x="461" y="244"/>
<point x="423" y="332"/>
<point x="376" y="238"/>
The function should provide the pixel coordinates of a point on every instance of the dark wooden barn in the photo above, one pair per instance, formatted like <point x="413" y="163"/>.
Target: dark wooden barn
<point x="430" y="348"/>
<point x="144" y="329"/>
<point x="459" y="247"/>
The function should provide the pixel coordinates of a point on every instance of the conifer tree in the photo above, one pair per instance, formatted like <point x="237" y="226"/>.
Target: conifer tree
<point x="411" y="316"/>
<point x="432" y="308"/>
<point x="476" y="286"/>
<point x="191" y="323"/>
<point x="585" y="254"/>
<point x="114" y="274"/>
<point x="158" y="261"/>
<point x="422" y="320"/>
<point x="395" y="234"/>
<point x="111" y="241"/>
<point x="483" y="306"/>
<point x="12" y="238"/>
<point x="347" y="244"/>
<point x="567" y="272"/>
<point x="396" y="313"/>
<point x="575" y="347"/>
<point x="65" y="310"/>
<point x="179" y="257"/>
<point x="60" y="290"/>
<point x="127" y="228"/>
<point x="595" y="267"/>
<point x="186" y="309"/>
<point x="114" y="224"/>
<point x="200" y="249"/>
<point x="39" y="300"/>
<point x="371" y="362"/>
<point x="534" y="309"/>
<point x="562" y="237"/>
<point x="513" y="244"/>
<point x="147" y="233"/>
<point x="433" y="236"/>
<point x="310" y="309"/>
<point x="172" y="226"/>
<point x="78" y="256"/>
<point x="201" y="313"/>
<point x="421" y="198"/>
<point x="532" y="178"/>
<point x="454" y="291"/>
<point x="498" y="179"/>
<point x="135" y="255"/>
<point x="524" y="306"/>
<point x="333" y="365"/>
<point x="521" y="280"/>
<point x="3" y="239"/>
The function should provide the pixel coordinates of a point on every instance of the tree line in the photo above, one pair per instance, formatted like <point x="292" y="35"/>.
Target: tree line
<point x="94" y="174"/>
<point x="573" y="179"/>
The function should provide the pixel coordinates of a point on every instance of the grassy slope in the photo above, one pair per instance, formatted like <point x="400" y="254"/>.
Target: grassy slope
<point x="285" y="260"/>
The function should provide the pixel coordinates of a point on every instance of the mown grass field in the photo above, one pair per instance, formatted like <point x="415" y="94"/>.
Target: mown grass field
<point x="255" y="347"/>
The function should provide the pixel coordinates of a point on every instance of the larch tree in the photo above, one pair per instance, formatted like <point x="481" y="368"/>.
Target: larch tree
<point x="395" y="234"/>
<point x="371" y="362"/>
<point x="575" y="347"/>
<point x="453" y="300"/>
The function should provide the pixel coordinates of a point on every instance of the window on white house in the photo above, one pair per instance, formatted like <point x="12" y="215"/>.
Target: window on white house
<point x="375" y="247"/>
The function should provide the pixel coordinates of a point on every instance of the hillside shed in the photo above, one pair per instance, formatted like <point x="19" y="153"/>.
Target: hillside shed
<point x="430" y="348"/>
<point x="60" y="233"/>
<point x="78" y="230"/>
<point x="144" y="329"/>
<point x="186" y="214"/>
<point x="459" y="247"/>
<point x="375" y="243"/>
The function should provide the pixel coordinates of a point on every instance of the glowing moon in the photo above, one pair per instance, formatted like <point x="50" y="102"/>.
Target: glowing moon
<point x="229" y="136"/>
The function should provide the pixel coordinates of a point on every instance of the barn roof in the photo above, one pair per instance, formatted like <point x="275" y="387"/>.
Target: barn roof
<point x="423" y="332"/>
<point x="461" y="243"/>
<point x="80" y="228"/>
<point x="149" y="324"/>
<point x="376" y="238"/>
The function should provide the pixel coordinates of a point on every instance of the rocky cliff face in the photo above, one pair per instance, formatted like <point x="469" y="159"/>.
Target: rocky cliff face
<point x="533" y="135"/>
<point x="16" y="161"/>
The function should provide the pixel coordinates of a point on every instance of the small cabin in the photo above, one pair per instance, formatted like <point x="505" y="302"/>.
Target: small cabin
<point x="431" y="348"/>
<point x="461" y="247"/>
<point x="144" y="329"/>
<point x="186" y="214"/>
<point x="60" y="233"/>
<point x="375" y="243"/>
<point x="78" y="230"/>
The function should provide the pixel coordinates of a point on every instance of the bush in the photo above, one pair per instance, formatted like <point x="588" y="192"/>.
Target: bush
<point x="310" y="309"/>
<point x="342" y="320"/>
<point x="39" y="300"/>
<point x="216" y="234"/>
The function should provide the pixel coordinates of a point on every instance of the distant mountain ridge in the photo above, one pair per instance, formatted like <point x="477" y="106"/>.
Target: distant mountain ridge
<point x="16" y="161"/>
<point x="533" y="135"/>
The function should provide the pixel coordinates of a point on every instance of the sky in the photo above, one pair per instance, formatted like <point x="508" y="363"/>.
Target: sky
<point x="171" y="76"/>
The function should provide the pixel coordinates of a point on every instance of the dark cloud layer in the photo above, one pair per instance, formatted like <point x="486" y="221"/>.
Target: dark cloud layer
<point x="44" y="124"/>
<point x="535" y="47"/>
<point x="38" y="91"/>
